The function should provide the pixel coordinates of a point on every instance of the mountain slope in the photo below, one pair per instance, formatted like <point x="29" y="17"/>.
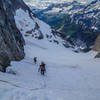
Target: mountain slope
<point x="11" y="39"/>
<point x="89" y="21"/>
<point x="91" y="14"/>
<point x="78" y="21"/>
<point x="69" y="75"/>
<point x="34" y="29"/>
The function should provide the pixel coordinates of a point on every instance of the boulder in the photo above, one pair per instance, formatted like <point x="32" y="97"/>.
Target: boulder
<point x="97" y="44"/>
<point x="98" y="55"/>
<point x="4" y="61"/>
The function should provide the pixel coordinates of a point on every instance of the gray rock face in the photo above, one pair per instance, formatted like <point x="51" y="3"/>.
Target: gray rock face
<point x="4" y="61"/>
<point x="98" y="55"/>
<point x="97" y="47"/>
<point x="97" y="44"/>
<point x="11" y="40"/>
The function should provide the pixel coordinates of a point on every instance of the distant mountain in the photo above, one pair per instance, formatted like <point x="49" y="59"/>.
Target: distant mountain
<point x="57" y="12"/>
<point x="45" y="3"/>
<point x="42" y="4"/>
<point x="62" y="8"/>
<point x="77" y="21"/>
<point x="89" y="16"/>
<point x="89" y="20"/>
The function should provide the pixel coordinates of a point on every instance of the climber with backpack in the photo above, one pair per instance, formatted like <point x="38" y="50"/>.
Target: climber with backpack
<point x="42" y="68"/>
<point x="35" y="60"/>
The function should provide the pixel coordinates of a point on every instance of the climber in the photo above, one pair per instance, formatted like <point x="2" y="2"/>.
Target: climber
<point x="42" y="68"/>
<point x="35" y="60"/>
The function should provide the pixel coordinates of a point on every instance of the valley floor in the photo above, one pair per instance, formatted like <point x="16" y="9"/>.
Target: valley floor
<point x="69" y="76"/>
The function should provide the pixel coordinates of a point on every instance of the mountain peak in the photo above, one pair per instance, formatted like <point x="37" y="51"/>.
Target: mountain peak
<point x="95" y="2"/>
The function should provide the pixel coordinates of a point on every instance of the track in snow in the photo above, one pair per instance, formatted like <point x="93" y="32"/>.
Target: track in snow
<point x="31" y="89"/>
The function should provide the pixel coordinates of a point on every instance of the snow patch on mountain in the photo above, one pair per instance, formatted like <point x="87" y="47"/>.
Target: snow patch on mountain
<point x="62" y="8"/>
<point x="23" y="21"/>
<point x="43" y="4"/>
<point x="32" y="28"/>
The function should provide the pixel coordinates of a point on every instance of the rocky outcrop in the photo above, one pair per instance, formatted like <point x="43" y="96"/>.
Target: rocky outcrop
<point x="98" y="55"/>
<point x="11" y="40"/>
<point x="97" y="47"/>
<point x="97" y="44"/>
<point x="4" y="61"/>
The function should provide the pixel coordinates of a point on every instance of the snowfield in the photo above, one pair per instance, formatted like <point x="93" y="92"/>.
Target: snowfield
<point x="69" y="75"/>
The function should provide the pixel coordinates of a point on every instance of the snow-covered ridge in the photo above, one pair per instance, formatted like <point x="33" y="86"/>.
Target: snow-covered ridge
<point x="63" y="8"/>
<point x="91" y="13"/>
<point x="33" y="28"/>
<point x="43" y="4"/>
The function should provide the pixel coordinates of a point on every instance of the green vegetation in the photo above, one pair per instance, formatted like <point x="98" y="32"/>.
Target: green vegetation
<point x="63" y="23"/>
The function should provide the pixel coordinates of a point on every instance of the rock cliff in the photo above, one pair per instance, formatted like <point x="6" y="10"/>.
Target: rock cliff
<point x="11" y="40"/>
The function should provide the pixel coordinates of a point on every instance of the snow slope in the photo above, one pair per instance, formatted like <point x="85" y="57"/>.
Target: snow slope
<point x="69" y="76"/>
<point x="35" y="26"/>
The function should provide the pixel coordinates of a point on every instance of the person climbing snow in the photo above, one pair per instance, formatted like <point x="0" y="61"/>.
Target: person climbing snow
<point x="35" y="60"/>
<point x="42" y="68"/>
